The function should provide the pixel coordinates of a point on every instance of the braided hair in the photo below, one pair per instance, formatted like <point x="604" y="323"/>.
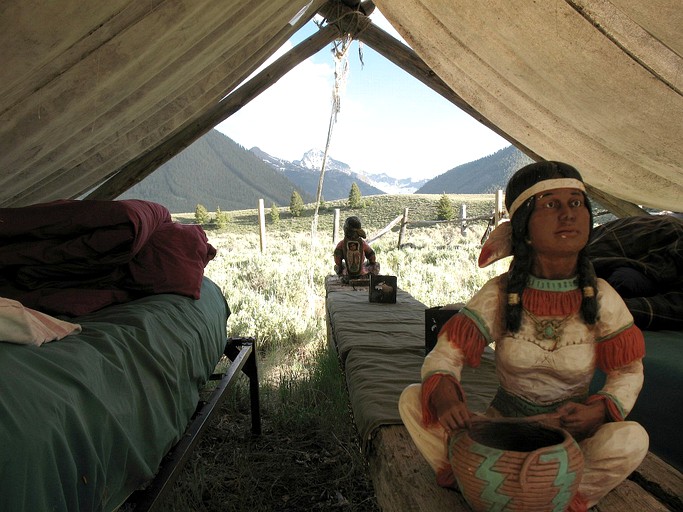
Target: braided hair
<point x="520" y="267"/>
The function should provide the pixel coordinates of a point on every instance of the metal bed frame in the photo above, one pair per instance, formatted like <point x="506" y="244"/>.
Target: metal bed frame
<point x="242" y="354"/>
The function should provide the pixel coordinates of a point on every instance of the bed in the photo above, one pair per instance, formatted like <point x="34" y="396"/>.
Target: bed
<point x="88" y="419"/>
<point x="642" y="258"/>
<point x="107" y="410"/>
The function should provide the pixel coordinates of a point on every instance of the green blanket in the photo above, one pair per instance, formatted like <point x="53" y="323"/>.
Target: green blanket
<point x="658" y="407"/>
<point x="381" y="348"/>
<point x="87" y="419"/>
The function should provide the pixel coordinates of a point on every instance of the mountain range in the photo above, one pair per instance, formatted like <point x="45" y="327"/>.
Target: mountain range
<point x="482" y="176"/>
<point x="216" y="172"/>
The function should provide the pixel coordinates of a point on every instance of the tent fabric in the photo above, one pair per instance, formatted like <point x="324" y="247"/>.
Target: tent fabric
<point x="597" y="84"/>
<point x="85" y="88"/>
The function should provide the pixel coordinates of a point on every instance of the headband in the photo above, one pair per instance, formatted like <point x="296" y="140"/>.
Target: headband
<point x="499" y="243"/>
<point x="542" y="186"/>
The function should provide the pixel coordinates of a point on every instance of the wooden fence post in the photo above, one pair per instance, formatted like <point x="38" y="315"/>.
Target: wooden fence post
<point x="498" y="212"/>
<point x="463" y="219"/>
<point x="335" y="227"/>
<point x="402" y="232"/>
<point x="262" y="224"/>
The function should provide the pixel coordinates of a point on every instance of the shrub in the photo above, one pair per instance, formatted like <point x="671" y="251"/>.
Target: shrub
<point x="201" y="215"/>
<point x="444" y="208"/>
<point x="274" y="214"/>
<point x="355" y="196"/>
<point x="222" y="218"/>
<point x="296" y="204"/>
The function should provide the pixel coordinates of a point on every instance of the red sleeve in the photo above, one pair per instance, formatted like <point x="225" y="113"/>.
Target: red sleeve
<point x="463" y="333"/>
<point x="622" y="349"/>
<point x="338" y="253"/>
<point x="428" y="387"/>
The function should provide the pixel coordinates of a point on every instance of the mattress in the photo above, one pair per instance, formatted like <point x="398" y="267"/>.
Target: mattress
<point x="87" y="419"/>
<point x="658" y="407"/>
<point x="381" y="348"/>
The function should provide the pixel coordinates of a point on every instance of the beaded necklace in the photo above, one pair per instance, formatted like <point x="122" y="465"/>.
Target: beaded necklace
<point x="547" y="330"/>
<point x="550" y="329"/>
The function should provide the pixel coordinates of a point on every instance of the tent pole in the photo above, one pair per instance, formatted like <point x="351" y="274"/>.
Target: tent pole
<point x="404" y="57"/>
<point x="138" y="169"/>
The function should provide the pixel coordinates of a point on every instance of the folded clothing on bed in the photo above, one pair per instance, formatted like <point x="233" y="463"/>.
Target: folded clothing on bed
<point x="74" y="257"/>
<point x="26" y="326"/>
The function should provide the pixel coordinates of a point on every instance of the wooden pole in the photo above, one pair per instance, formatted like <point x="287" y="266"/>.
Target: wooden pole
<point x="463" y="219"/>
<point x="498" y="212"/>
<point x="138" y="169"/>
<point x="402" y="233"/>
<point x="335" y="226"/>
<point x="262" y="224"/>
<point x="384" y="230"/>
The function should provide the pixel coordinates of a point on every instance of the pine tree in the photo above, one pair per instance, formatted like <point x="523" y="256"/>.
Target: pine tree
<point x="296" y="204"/>
<point x="274" y="214"/>
<point x="354" y="196"/>
<point x="221" y="219"/>
<point x="444" y="208"/>
<point x="201" y="215"/>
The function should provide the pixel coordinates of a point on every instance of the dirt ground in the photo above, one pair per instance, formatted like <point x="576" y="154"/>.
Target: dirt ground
<point x="282" y="471"/>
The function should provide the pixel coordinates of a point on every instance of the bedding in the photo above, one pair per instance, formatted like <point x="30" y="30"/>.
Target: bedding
<point x="642" y="258"/>
<point x="381" y="348"/>
<point x="19" y="324"/>
<point x="87" y="419"/>
<point x="73" y="257"/>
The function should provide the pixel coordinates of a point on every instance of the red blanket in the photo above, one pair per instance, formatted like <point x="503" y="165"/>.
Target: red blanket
<point x="74" y="257"/>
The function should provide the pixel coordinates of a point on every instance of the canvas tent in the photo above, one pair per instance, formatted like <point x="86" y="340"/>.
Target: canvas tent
<point x="94" y="96"/>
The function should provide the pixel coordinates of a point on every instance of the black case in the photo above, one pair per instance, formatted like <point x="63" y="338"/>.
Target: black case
<point x="435" y="318"/>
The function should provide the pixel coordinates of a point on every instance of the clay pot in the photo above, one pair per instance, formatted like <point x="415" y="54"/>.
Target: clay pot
<point x="515" y="465"/>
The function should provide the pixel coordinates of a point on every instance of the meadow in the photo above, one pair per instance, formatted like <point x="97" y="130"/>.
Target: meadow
<point x="308" y="457"/>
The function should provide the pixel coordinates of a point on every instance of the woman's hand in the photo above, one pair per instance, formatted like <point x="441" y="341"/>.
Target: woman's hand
<point x="451" y="411"/>
<point x="582" y="420"/>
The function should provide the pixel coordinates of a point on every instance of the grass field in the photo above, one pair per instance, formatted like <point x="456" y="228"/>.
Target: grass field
<point x="308" y="457"/>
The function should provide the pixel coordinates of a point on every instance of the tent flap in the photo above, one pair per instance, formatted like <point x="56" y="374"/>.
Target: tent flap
<point x="596" y="84"/>
<point x="87" y="88"/>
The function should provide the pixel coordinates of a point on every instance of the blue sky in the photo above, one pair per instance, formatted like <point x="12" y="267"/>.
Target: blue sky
<point x="389" y="122"/>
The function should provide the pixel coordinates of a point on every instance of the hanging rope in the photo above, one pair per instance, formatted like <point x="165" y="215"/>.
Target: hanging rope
<point x="341" y="69"/>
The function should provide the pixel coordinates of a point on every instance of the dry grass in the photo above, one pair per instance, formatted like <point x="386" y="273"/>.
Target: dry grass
<point x="308" y="457"/>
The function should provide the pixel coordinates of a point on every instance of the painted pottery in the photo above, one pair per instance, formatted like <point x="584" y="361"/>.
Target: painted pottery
<point x="515" y="465"/>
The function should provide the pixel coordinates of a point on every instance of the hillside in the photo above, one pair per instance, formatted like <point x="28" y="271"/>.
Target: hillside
<point x="379" y="211"/>
<point x="483" y="176"/>
<point x="215" y="172"/>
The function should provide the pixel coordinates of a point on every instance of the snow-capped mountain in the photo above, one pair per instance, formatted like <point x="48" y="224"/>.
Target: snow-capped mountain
<point x="305" y="174"/>
<point x="313" y="159"/>
<point x="393" y="185"/>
